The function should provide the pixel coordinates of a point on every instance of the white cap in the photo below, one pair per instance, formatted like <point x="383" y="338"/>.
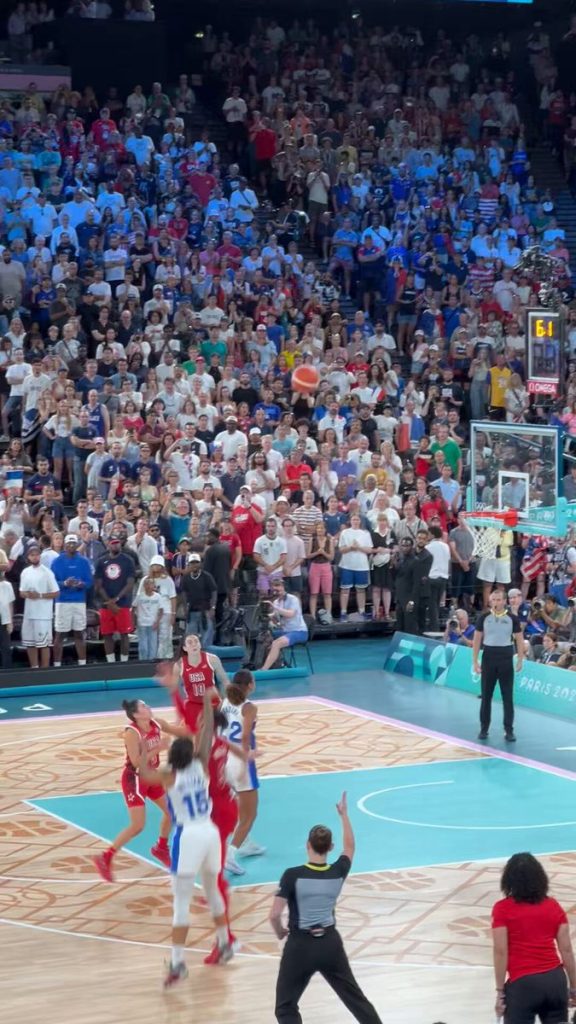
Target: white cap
<point x="157" y="560"/>
<point x="71" y="538"/>
<point x="194" y="557"/>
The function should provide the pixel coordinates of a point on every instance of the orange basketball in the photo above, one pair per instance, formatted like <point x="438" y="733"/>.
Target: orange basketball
<point x="305" y="379"/>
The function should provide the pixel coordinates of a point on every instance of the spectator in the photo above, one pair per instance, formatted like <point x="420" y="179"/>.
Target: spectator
<point x="200" y="592"/>
<point x="73" y="575"/>
<point x="149" y="609"/>
<point x="114" y="587"/>
<point x="355" y="545"/>
<point x="39" y="588"/>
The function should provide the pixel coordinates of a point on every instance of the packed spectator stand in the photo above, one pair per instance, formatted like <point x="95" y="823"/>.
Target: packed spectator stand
<point x="358" y="202"/>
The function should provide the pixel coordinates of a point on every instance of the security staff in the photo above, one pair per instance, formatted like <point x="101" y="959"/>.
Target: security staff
<point x="311" y="892"/>
<point x="496" y="633"/>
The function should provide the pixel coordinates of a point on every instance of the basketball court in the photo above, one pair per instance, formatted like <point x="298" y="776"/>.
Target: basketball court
<point x="435" y="816"/>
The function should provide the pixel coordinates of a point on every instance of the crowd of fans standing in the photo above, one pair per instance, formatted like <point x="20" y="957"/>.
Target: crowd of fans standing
<point x="363" y="210"/>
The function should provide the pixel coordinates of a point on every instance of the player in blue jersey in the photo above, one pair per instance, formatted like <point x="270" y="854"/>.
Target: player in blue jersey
<point x="241" y="714"/>
<point x="196" y="843"/>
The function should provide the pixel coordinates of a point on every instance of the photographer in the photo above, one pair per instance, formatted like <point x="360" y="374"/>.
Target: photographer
<point x="288" y="622"/>
<point x="459" y="629"/>
<point x="546" y="613"/>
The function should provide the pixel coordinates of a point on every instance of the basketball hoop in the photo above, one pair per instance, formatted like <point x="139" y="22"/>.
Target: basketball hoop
<point x="487" y="527"/>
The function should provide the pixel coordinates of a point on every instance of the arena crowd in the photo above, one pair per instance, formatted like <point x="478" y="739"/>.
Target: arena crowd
<point x="360" y="203"/>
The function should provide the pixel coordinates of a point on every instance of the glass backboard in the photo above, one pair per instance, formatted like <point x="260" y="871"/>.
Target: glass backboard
<point x="520" y="467"/>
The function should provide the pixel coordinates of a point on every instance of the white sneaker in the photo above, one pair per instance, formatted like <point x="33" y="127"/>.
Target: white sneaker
<point x="250" y="849"/>
<point x="233" y="866"/>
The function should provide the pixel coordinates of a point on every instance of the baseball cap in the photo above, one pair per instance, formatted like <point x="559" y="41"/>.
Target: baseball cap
<point x="254" y="430"/>
<point x="231" y="419"/>
<point x="71" y="538"/>
<point x="194" y="557"/>
<point x="261" y="327"/>
<point x="157" y="560"/>
<point x="246" y="487"/>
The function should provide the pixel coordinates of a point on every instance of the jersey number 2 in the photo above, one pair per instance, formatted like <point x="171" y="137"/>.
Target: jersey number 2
<point x="235" y="732"/>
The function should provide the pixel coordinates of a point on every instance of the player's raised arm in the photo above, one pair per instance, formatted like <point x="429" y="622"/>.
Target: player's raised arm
<point x="204" y="742"/>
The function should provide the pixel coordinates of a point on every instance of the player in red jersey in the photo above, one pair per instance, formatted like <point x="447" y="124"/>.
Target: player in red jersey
<point x="199" y="672"/>
<point x="143" y="732"/>
<point x="224" y="803"/>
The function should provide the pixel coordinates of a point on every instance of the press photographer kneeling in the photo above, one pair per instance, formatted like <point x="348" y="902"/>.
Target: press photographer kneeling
<point x="288" y="623"/>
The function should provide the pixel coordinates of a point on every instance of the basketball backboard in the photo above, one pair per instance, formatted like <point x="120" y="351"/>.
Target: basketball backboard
<point x="520" y="467"/>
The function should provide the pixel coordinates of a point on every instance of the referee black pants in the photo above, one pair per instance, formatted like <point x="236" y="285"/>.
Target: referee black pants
<point x="497" y="668"/>
<point x="305" y="955"/>
<point x="537" y="995"/>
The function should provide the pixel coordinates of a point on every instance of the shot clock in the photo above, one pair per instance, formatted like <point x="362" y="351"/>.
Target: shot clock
<point x="544" y="350"/>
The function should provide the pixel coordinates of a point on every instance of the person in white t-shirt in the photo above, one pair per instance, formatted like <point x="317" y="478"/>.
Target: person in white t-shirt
<point x="355" y="545"/>
<point x="269" y="555"/>
<point x="15" y="375"/>
<point x="38" y="587"/>
<point x="439" y="574"/>
<point x="7" y="598"/>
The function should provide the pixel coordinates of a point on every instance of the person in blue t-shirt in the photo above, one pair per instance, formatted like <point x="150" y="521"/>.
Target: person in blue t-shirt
<point x="73" y="574"/>
<point x="344" y="242"/>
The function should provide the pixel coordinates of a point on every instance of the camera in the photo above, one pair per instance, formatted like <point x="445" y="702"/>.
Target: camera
<point x="537" y="605"/>
<point x="572" y="649"/>
<point x="572" y="602"/>
<point x="265" y="612"/>
<point x="453" y="623"/>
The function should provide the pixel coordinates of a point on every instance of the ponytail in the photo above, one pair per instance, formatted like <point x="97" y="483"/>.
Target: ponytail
<point x="131" y="708"/>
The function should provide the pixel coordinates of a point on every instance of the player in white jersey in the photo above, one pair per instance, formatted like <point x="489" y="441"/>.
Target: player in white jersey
<point x="242" y="775"/>
<point x="196" y="843"/>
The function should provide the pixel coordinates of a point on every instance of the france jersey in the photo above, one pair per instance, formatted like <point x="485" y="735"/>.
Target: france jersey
<point x="196" y="842"/>
<point x="242" y="776"/>
<point x="188" y="799"/>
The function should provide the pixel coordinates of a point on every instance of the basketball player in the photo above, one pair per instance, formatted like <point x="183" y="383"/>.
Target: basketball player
<point x="224" y="803"/>
<point x="143" y="736"/>
<point x="198" y="672"/>
<point x="196" y="844"/>
<point x="241" y="714"/>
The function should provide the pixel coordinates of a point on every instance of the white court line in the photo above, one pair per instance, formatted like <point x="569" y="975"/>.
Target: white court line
<point x="102" y="839"/>
<point x="247" y="956"/>
<point x="102" y="728"/>
<point x="421" y="730"/>
<point x="361" y="804"/>
<point x="104" y="714"/>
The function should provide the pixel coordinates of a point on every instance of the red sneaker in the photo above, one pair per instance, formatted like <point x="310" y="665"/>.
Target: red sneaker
<point x="219" y="955"/>
<point x="162" y="853"/>
<point x="103" y="865"/>
<point x="213" y="956"/>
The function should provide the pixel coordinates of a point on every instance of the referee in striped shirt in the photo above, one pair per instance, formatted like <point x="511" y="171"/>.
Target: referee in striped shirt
<point x="313" y="945"/>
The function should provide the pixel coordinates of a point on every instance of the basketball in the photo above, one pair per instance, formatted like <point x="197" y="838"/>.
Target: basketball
<point x="305" y="379"/>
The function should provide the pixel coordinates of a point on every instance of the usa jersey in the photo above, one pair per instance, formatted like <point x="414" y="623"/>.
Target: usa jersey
<point x="188" y="799"/>
<point x="151" y="740"/>
<point x="197" y="678"/>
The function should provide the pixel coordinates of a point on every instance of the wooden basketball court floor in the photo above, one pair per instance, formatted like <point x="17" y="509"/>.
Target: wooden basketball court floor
<point x="77" y="950"/>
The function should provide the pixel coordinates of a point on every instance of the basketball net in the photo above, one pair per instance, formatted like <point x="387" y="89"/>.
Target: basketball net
<point x="487" y="527"/>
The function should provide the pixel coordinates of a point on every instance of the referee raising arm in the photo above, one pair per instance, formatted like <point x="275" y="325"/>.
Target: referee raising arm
<point x="497" y="631"/>
<point x="313" y="944"/>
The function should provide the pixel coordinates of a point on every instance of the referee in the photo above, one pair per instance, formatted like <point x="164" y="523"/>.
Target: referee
<point x="313" y="944"/>
<point x="497" y="631"/>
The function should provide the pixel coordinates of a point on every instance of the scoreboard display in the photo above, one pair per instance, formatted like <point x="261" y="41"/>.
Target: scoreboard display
<point x="544" y="350"/>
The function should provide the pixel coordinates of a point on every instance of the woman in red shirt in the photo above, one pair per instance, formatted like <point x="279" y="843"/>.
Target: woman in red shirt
<point x="532" y="948"/>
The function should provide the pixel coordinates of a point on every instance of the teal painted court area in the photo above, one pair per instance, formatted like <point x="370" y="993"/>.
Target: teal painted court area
<point x="404" y="817"/>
